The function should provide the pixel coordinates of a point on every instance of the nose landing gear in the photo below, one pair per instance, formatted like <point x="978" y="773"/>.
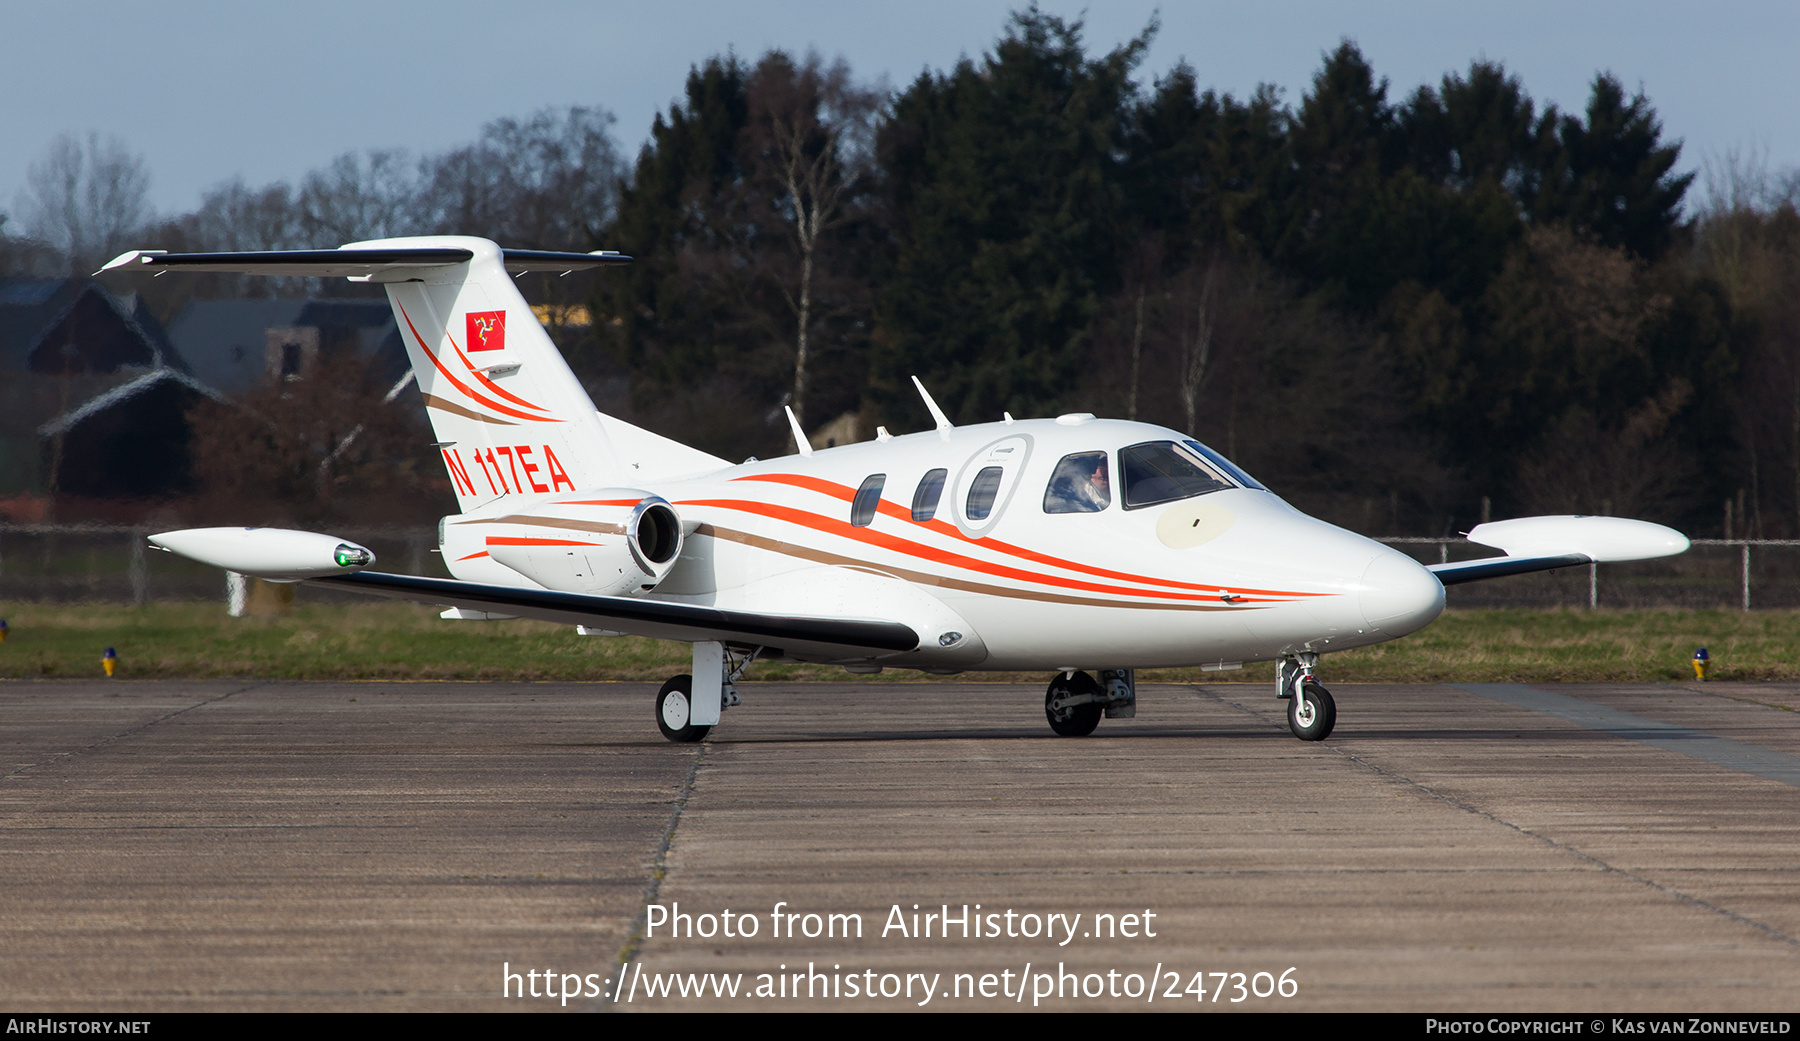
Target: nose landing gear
<point x="1312" y="713"/>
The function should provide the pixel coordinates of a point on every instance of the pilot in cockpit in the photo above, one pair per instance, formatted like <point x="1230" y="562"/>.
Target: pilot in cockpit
<point x="1080" y="484"/>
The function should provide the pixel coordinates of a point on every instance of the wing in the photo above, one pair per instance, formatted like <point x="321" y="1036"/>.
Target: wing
<point x="785" y="636"/>
<point x="1544" y="543"/>
<point x="1499" y="567"/>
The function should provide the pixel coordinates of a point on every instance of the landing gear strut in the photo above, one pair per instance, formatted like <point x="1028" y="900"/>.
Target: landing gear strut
<point x="689" y="706"/>
<point x="1311" y="710"/>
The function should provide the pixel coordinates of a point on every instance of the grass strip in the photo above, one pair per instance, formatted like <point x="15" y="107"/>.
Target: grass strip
<point x="389" y="641"/>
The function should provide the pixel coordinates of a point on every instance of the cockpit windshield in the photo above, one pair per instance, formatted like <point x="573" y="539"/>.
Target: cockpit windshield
<point x="1164" y="471"/>
<point x="1237" y="472"/>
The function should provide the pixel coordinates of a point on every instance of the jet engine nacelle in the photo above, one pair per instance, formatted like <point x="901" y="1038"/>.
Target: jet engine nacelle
<point x="614" y="542"/>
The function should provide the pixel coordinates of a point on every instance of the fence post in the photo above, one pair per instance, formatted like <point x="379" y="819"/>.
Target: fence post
<point x="140" y="571"/>
<point x="1593" y="586"/>
<point x="1746" y="576"/>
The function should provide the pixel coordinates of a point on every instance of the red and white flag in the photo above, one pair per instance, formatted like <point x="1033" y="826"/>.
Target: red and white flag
<point x="487" y="330"/>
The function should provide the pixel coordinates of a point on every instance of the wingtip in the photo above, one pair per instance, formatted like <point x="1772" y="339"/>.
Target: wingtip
<point x="130" y="258"/>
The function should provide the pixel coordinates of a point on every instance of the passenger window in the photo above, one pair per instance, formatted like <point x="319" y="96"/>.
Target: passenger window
<point x="1081" y="484"/>
<point x="982" y="490"/>
<point x="1161" y="471"/>
<point x="925" y="500"/>
<point x="868" y="498"/>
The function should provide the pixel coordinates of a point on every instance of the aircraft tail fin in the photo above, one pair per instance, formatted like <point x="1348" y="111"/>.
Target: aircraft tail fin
<point x="509" y="416"/>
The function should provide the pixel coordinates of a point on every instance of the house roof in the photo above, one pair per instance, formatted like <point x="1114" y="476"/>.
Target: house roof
<point x="224" y="341"/>
<point x="32" y="310"/>
<point x="120" y="394"/>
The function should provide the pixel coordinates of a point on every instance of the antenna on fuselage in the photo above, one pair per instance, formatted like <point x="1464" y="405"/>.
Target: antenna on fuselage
<point x="937" y="414"/>
<point x="799" y="435"/>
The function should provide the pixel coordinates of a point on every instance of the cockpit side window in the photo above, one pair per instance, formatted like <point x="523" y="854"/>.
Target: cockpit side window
<point x="868" y="499"/>
<point x="1162" y="471"/>
<point x="982" y="491"/>
<point x="925" y="500"/>
<point x="1080" y="484"/>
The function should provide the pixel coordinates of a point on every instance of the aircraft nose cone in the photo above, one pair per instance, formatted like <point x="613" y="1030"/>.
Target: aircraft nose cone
<point x="1398" y="595"/>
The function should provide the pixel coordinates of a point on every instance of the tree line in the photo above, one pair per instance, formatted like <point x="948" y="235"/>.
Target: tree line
<point x="1403" y="312"/>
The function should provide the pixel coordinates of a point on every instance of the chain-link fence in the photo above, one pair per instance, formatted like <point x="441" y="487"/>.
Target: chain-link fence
<point x="1714" y="573"/>
<point x="54" y="563"/>
<point x="114" y="564"/>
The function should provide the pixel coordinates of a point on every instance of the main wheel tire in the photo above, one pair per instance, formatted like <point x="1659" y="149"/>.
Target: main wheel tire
<point x="1072" y="720"/>
<point x="1312" y="715"/>
<point x="674" y="707"/>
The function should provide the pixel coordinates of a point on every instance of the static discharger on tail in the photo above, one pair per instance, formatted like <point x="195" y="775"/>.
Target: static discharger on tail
<point x="1083" y="547"/>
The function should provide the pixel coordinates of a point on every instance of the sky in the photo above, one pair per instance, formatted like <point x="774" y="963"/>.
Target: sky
<point x="209" y="91"/>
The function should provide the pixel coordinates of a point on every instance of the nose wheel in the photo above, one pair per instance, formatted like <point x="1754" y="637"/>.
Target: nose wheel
<point x="1313" y="713"/>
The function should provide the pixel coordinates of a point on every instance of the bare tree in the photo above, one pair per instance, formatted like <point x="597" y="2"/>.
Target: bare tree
<point x="233" y="216"/>
<point x="546" y="182"/>
<point x="86" y="200"/>
<point x="316" y="449"/>
<point x="1195" y="338"/>
<point x="1632" y="471"/>
<point x="812" y="133"/>
<point x="372" y="195"/>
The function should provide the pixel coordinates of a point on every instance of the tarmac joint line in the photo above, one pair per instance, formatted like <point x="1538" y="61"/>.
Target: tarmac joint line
<point x="1686" y="898"/>
<point x="1708" y="748"/>
<point x="122" y="735"/>
<point x="634" y="939"/>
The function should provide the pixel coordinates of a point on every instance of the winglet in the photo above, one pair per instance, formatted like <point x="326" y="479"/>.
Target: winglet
<point x="799" y="435"/>
<point x="937" y="414"/>
<point x="127" y="259"/>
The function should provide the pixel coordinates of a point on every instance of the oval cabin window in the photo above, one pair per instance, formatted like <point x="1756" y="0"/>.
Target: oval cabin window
<point x="982" y="490"/>
<point x="867" y="501"/>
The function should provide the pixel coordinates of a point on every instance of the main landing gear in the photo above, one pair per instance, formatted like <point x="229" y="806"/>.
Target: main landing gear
<point x="689" y="706"/>
<point x="675" y="712"/>
<point x="1311" y="711"/>
<point x="1075" y="700"/>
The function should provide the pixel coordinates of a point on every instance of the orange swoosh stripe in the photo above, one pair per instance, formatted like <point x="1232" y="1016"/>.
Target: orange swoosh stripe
<point x="927" y="579"/>
<point x="895" y="510"/>
<point x="907" y="547"/>
<point x="482" y="376"/>
<point x="460" y="385"/>
<point x="511" y="540"/>
<point x="601" y="502"/>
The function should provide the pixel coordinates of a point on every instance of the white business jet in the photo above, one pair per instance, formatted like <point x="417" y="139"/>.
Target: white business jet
<point x="1080" y="546"/>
